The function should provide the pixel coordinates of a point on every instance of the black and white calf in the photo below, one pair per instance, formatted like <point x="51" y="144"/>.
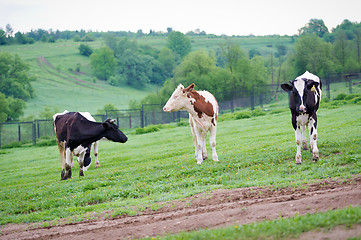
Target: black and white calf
<point x="305" y="96"/>
<point x="75" y="135"/>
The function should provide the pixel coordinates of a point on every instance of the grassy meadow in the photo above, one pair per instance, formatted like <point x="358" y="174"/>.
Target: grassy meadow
<point x="59" y="86"/>
<point x="160" y="166"/>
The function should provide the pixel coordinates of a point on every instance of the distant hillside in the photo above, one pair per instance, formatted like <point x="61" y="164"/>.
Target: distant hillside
<point x="59" y="86"/>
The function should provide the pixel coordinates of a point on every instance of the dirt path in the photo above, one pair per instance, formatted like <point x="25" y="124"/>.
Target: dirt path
<point x="42" y="62"/>
<point x="219" y="208"/>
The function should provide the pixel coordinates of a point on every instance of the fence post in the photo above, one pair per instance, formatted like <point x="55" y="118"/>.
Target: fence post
<point x="130" y="121"/>
<point x="350" y="85"/>
<point x="252" y="98"/>
<point x="328" y="89"/>
<point x="142" y="117"/>
<point x="38" y="125"/>
<point x="19" y="132"/>
<point x="34" y="132"/>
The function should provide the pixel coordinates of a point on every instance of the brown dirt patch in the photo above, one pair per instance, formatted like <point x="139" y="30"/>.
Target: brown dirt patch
<point x="219" y="208"/>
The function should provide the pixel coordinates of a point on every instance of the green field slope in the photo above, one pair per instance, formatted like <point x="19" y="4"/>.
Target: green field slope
<point x="58" y="85"/>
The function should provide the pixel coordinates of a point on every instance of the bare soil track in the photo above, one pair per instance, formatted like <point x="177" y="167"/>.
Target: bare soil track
<point x="219" y="208"/>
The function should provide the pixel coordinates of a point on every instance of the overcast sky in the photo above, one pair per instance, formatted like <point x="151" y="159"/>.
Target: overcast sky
<point x="230" y="17"/>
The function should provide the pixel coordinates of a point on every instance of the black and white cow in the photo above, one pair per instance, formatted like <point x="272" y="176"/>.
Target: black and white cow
<point x="75" y="135"/>
<point x="305" y="96"/>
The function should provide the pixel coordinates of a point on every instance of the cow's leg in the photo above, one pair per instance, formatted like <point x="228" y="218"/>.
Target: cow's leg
<point x="97" y="164"/>
<point x="304" y="139"/>
<point x="67" y="164"/>
<point x="200" y="142"/>
<point x="81" y="163"/>
<point x="191" y="123"/>
<point x="204" y="149"/>
<point x="298" y="137"/>
<point x="212" y="141"/>
<point x="62" y="159"/>
<point x="313" y="138"/>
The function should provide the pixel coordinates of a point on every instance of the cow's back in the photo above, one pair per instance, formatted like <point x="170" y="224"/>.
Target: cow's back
<point x="61" y="124"/>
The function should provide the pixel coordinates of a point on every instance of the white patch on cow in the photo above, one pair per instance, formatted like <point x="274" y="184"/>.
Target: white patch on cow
<point x="300" y="86"/>
<point x="302" y="120"/>
<point x="68" y="157"/>
<point x="88" y="116"/>
<point x="79" y="150"/>
<point x="57" y="114"/>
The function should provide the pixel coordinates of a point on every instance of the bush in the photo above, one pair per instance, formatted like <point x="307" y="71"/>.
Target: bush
<point x="242" y="115"/>
<point x="85" y="50"/>
<point x="147" y="129"/>
<point x="340" y="96"/>
<point x="351" y="96"/>
<point x="182" y="123"/>
<point x="258" y="112"/>
<point x="357" y="100"/>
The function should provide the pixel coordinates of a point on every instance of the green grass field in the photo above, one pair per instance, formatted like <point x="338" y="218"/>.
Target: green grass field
<point x="160" y="166"/>
<point x="57" y="86"/>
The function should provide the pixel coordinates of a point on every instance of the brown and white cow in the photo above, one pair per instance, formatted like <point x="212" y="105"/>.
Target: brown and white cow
<point x="203" y="112"/>
<point x="305" y="97"/>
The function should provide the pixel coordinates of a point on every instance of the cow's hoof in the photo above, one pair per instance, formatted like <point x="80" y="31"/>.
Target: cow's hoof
<point x="97" y="165"/>
<point x="199" y="162"/>
<point x="81" y="173"/>
<point x="304" y="146"/>
<point x="298" y="163"/>
<point x="62" y="174"/>
<point x="314" y="159"/>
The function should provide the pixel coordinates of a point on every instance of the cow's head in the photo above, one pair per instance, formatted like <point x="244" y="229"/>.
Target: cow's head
<point x="301" y="93"/>
<point x="112" y="132"/>
<point x="178" y="99"/>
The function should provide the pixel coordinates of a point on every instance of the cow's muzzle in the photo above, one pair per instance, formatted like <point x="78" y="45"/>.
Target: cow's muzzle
<point x="302" y="109"/>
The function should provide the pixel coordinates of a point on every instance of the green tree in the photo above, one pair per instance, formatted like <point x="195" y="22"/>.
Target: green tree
<point x="107" y="107"/>
<point x="14" y="78"/>
<point x="232" y="54"/>
<point x="103" y="63"/>
<point x="179" y="43"/>
<point x="135" y="68"/>
<point x="85" y="50"/>
<point x="340" y="46"/>
<point x="3" y="40"/>
<point x="315" y="26"/>
<point x="4" y="108"/>
<point x="197" y="67"/>
<point x="313" y="54"/>
<point x="168" y="60"/>
<point x="16" y="107"/>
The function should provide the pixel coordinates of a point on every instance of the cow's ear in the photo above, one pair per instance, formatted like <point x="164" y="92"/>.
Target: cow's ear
<point x="287" y="87"/>
<point x="189" y="88"/>
<point x="106" y="125"/>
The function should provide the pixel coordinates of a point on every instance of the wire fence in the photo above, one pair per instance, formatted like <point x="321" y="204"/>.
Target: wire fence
<point x="152" y="114"/>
